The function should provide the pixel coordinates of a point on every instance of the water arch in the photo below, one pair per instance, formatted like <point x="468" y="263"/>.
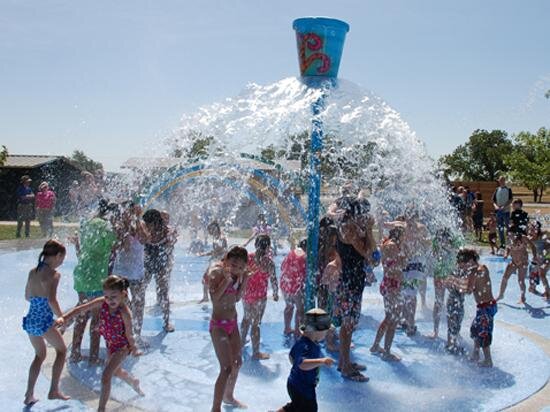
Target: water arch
<point x="251" y="179"/>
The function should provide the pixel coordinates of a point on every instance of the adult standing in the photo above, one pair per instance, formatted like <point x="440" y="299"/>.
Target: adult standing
<point x="502" y="200"/>
<point x="25" y="200"/>
<point x="94" y="247"/>
<point x="354" y="244"/>
<point x="45" y="206"/>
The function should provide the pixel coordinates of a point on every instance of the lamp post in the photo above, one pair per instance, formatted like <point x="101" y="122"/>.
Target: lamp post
<point x="320" y="43"/>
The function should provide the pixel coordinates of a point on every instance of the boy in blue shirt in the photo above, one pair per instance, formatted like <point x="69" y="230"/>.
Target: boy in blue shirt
<point x="306" y="359"/>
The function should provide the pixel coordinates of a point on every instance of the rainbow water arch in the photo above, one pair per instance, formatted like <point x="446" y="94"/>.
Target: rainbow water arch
<point x="258" y="184"/>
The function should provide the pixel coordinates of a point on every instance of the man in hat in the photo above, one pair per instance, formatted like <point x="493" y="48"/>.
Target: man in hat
<point x="306" y="359"/>
<point x="25" y="200"/>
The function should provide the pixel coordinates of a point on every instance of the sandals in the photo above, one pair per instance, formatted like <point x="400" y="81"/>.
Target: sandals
<point x="356" y="376"/>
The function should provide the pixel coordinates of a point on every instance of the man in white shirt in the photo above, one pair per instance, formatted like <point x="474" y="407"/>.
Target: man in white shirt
<point x="502" y="200"/>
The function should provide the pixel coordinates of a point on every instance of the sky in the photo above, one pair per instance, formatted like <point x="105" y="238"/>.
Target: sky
<point x="113" y="78"/>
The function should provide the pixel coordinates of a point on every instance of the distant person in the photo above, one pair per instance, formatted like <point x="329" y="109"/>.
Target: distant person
<point x="306" y="358"/>
<point x="492" y="228"/>
<point x="40" y="324"/>
<point x="517" y="250"/>
<point x="261" y="228"/>
<point x="539" y="267"/>
<point x="477" y="215"/>
<point x="219" y="247"/>
<point x="502" y="200"/>
<point x="25" y="200"/>
<point x="469" y="203"/>
<point x="74" y="199"/>
<point x="89" y="191"/>
<point x="519" y="218"/>
<point x="45" y="207"/>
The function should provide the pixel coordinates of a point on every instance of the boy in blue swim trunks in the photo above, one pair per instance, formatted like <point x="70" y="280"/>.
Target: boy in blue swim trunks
<point x="306" y="359"/>
<point x="479" y="283"/>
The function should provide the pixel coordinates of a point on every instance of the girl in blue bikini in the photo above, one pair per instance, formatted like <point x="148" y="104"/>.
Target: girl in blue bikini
<point x="40" y="324"/>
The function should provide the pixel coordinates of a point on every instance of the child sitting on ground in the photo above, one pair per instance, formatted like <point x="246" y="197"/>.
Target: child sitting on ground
<point x="306" y="359"/>
<point x="481" y="330"/>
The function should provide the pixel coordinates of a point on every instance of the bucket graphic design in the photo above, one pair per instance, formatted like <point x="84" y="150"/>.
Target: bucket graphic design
<point x="320" y="43"/>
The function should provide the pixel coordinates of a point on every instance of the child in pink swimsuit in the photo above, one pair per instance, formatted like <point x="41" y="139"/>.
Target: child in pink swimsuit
<point x="293" y="276"/>
<point x="262" y="270"/>
<point x="115" y="325"/>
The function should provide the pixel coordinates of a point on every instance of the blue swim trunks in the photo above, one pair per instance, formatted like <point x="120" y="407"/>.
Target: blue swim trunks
<point x="482" y="326"/>
<point x="40" y="317"/>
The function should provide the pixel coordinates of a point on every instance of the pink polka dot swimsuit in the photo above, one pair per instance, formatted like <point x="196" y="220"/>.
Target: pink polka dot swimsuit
<point x="111" y="327"/>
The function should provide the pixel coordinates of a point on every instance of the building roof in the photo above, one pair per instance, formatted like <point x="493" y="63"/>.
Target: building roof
<point x="28" y="161"/>
<point x="143" y="163"/>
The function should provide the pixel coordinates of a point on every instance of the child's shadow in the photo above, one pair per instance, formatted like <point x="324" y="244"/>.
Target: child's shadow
<point x="257" y="369"/>
<point x="537" y="313"/>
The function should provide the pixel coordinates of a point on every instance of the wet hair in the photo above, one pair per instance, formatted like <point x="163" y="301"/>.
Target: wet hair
<point x="115" y="282"/>
<point x="238" y="253"/>
<point x="103" y="207"/>
<point x="153" y="217"/>
<point x="518" y="201"/>
<point x="354" y="207"/>
<point x="262" y="242"/>
<point x="326" y="222"/>
<point x="51" y="248"/>
<point x="465" y="255"/>
<point x="213" y="226"/>
<point x="395" y="233"/>
<point x="479" y="196"/>
<point x="303" y="244"/>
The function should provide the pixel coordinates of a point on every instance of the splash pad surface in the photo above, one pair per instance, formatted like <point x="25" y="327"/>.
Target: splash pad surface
<point x="179" y="369"/>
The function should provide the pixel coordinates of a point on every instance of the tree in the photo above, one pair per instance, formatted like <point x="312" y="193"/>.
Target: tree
<point x="529" y="162"/>
<point x="84" y="162"/>
<point x="481" y="158"/>
<point x="3" y="155"/>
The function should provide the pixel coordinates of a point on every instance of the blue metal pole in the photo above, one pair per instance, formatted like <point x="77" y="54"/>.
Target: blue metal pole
<point x="314" y="201"/>
<point x="320" y="44"/>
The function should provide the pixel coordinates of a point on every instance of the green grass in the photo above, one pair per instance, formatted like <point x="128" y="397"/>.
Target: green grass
<point x="7" y="232"/>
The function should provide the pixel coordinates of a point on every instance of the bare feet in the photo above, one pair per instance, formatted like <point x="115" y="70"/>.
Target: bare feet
<point x="434" y="335"/>
<point x="390" y="357"/>
<point x="203" y="300"/>
<point x="287" y="332"/>
<point x="376" y="349"/>
<point x="354" y="375"/>
<point x="260" y="356"/>
<point x="522" y="299"/>
<point x="486" y="364"/>
<point x="96" y="361"/>
<point x="58" y="395"/>
<point x="474" y="357"/>
<point x="135" y="386"/>
<point x="234" y="403"/>
<point x="30" y="400"/>
<point x="499" y="297"/>
<point x="75" y="357"/>
<point x="169" y="328"/>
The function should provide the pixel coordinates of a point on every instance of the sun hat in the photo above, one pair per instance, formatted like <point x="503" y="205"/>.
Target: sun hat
<point x="316" y="319"/>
